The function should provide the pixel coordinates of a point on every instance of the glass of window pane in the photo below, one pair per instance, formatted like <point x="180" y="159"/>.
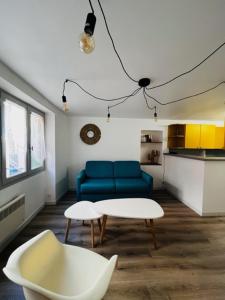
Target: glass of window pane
<point x="37" y="141"/>
<point x="15" y="138"/>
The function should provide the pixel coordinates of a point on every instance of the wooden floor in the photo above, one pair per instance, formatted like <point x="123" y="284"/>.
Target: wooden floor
<point x="190" y="263"/>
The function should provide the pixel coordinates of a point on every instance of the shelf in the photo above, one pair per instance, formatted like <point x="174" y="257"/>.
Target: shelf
<point x="176" y="136"/>
<point x="151" y="142"/>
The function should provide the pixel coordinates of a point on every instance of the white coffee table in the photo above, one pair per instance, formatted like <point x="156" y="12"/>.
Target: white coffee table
<point x="135" y="208"/>
<point x="83" y="210"/>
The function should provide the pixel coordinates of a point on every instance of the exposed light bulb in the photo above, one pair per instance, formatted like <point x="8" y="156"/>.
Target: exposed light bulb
<point x="108" y="118"/>
<point x="65" y="107"/>
<point x="108" y="115"/>
<point x="87" y="43"/>
<point x="155" y="115"/>
<point x="65" y="104"/>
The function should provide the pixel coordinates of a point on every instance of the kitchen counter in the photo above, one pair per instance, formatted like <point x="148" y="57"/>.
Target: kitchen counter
<point x="199" y="182"/>
<point x="198" y="157"/>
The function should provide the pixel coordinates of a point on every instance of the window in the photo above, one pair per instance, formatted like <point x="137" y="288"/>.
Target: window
<point x="37" y="141"/>
<point x="14" y="139"/>
<point x="22" y="147"/>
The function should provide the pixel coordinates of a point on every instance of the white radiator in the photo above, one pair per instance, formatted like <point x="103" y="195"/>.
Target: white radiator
<point x="12" y="215"/>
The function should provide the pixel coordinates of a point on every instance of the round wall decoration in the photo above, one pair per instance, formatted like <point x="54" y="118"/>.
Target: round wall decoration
<point x="90" y="134"/>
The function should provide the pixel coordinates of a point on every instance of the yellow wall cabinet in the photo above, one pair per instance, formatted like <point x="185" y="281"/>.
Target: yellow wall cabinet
<point x="196" y="136"/>
<point x="207" y="136"/>
<point x="192" y="136"/>
<point x="219" y="138"/>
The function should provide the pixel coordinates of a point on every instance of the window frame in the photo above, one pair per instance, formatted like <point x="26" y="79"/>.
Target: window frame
<point x="37" y="111"/>
<point x="4" y="181"/>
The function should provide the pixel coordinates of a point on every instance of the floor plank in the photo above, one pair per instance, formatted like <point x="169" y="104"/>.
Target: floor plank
<point x="189" y="264"/>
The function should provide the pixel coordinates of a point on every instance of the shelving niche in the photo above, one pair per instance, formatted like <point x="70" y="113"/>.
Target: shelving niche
<point x="151" y="147"/>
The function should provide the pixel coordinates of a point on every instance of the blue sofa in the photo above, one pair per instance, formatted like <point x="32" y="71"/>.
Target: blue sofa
<point x="107" y="180"/>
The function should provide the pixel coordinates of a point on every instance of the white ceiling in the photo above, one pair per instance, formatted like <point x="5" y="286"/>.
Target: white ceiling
<point x="158" y="39"/>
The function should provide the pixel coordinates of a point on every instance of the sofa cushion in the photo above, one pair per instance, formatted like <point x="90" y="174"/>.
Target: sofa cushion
<point x="131" y="185"/>
<point x="100" y="186"/>
<point x="127" y="169"/>
<point x="99" y="169"/>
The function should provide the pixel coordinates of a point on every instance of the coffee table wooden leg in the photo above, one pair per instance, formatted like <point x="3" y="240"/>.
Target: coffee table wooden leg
<point x="146" y="222"/>
<point x="92" y="234"/>
<point x="153" y="233"/>
<point x="99" y="225"/>
<point x="67" y="229"/>
<point x="103" y="228"/>
<point x="83" y="223"/>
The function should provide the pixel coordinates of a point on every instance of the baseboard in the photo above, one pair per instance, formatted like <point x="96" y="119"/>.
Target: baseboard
<point x="5" y="243"/>
<point x="214" y="214"/>
<point x="50" y="203"/>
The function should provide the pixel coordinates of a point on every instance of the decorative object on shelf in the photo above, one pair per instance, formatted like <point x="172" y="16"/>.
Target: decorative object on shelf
<point x="157" y="155"/>
<point x="142" y="85"/>
<point x="153" y="154"/>
<point x="143" y="139"/>
<point x="90" y="134"/>
<point x="153" y="157"/>
<point x="151" y="147"/>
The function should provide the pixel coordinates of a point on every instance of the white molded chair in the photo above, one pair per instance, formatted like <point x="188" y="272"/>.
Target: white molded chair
<point x="49" y="270"/>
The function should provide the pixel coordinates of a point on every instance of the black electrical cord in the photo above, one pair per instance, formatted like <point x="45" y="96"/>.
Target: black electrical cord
<point x="141" y="87"/>
<point x="146" y="101"/>
<point x="184" y="98"/>
<point x="90" y="94"/>
<point x="92" y="9"/>
<point x="113" y="44"/>
<point x="189" y="71"/>
<point x="121" y="102"/>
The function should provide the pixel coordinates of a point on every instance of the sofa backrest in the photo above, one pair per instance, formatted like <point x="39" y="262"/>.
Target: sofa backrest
<point x="99" y="169"/>
<point x="127" y="169"/>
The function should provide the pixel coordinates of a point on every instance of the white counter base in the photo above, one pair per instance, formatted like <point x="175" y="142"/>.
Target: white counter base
<point x="198" y="184"/>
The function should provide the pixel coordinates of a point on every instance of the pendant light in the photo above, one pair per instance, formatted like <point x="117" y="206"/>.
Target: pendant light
<point x="87" y="42"/>
<point x="87" y="45"/>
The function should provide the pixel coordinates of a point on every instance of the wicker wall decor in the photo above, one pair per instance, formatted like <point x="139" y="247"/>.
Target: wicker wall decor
<point x="90" y="134"/>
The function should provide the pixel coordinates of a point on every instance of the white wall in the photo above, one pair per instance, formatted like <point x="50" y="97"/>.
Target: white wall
<point x="120" y="140"/>
<point x="48" y="185"/>
<point x="35" y="189"/>
<point x="62" y="145"/>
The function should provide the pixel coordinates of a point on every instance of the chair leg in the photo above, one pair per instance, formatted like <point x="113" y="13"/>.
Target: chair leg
<point x="153" y="233"/>
<point x="146" y="222"/>
<point x="99" y="225"/>
<point x="83" y="223"/>
<point x="67" y="229"/>
<point x="103" y="228"/>
<point x="92" y="234"/>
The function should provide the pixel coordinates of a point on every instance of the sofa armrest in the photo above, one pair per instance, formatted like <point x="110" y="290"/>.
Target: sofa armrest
<point x="148" y="179"/>
<point x="80" y="179"/>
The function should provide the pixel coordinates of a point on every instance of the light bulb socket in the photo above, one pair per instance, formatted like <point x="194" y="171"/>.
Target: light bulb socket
<point x="90" y="24"/>
<point x="108" y="116"/>
<point x="64" y="99"/>
<point x="155" y="115"/>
